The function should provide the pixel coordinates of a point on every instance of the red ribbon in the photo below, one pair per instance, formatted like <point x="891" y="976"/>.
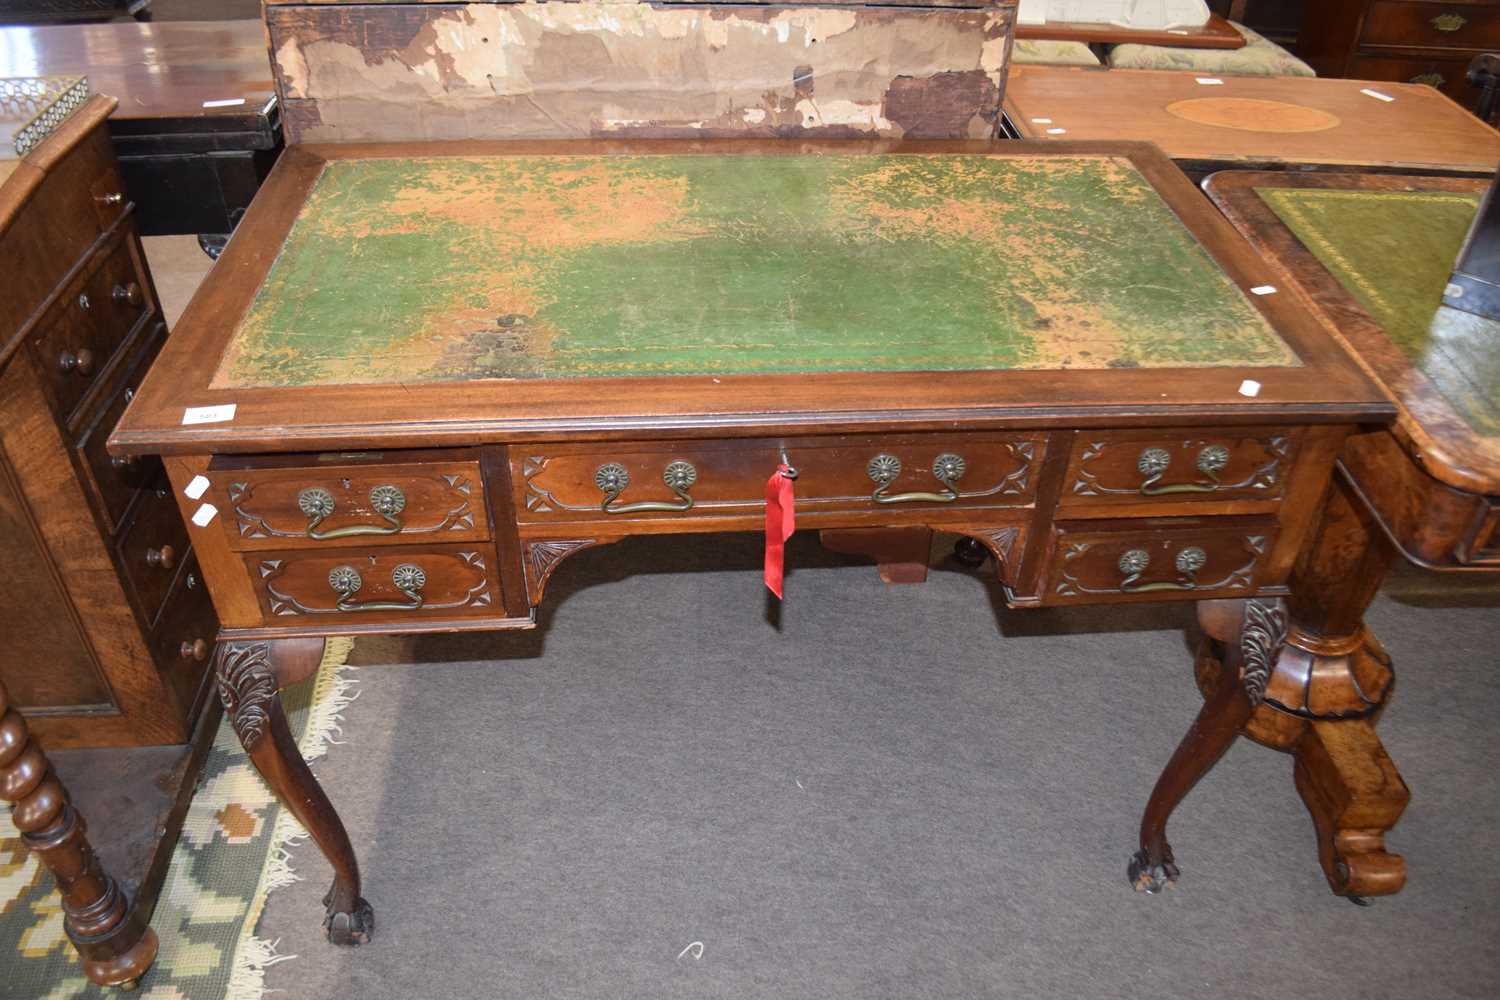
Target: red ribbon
<point x="781" y="521"/>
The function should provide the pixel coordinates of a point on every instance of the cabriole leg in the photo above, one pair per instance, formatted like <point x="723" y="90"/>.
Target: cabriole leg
<point x="249" y="675"/>
<point x="111" y="936"/>
<point x="1235" y="695"/>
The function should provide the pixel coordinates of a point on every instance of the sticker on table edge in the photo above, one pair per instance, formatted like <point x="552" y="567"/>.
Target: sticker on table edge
<point x="1210" y="81"/>
<point x="1263" y="290"/>
<point x="208" y="414"/>
<point x="204" y="514"/>
<point x="1376" y="94"/>
<point x="230" y="102"/>
<point x="1250" y="388"/>
<point x="195" y="489"/>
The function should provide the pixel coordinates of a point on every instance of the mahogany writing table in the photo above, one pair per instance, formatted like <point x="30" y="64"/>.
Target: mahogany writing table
<point x="423" y="374"/>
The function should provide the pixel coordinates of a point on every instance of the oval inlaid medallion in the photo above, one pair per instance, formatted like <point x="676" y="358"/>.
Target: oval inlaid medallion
<point x="1252" y="115"/>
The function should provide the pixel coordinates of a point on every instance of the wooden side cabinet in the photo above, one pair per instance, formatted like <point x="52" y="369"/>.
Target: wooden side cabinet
<point x="1408" y="41"/>
<point x="108" y="630"/>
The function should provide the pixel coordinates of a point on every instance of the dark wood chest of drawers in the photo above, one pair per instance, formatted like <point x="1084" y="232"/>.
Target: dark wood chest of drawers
<point x="1409" y="41"/>
<point x="107" y="626"/>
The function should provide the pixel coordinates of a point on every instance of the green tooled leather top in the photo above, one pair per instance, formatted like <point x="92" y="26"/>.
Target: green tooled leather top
<point x="1394" y="251"/>
<point x="564" y="266"/>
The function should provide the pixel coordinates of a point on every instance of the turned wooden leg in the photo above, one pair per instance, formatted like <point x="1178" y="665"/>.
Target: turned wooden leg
<point x="1234" y="697"/>
<point x="1327" y="689"/>
<point x="901" y="553"/>
<point x="111" y="936"/>
<point x="249" y="675"/>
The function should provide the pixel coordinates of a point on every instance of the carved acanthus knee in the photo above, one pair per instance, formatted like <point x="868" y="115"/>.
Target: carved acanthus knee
<point x="247" y="686"/>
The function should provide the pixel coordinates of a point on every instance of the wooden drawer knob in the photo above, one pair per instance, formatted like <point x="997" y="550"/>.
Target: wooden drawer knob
<point x="128" y="294"/>
<point x="162" y="558"/>
<point x="195" y="650"/>
<point x="81" y="363"/>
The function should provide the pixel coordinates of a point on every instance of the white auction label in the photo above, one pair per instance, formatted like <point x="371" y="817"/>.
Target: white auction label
<point x="232" y="102"/>
<point x="208" y="414"/>
<point x="195" y="489"/>
<point x="1210" y="81"/>
<point x="1041" y="121"/>
<point x="205" y="514"/>
<point x="1250" y="387"/>
<point x="1263" y="290"/>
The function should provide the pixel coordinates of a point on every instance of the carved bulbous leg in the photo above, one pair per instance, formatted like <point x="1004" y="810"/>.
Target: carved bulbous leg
<point x="1327" y="688"/>
<point x="1236" y="693"/>
<point x="111" y="936"/>
<point x="249" y="674"/>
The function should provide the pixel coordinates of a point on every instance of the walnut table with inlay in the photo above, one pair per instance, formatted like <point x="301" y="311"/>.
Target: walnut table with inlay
<point x="1252" y="121"/>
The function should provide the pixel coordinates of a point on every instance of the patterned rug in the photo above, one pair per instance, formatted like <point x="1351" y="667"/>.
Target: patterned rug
<point x="232" y="852"/>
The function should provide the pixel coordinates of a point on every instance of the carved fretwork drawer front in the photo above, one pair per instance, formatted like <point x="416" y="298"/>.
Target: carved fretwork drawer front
<point x="1156" y="559"/>
<point x="704" y="479"/>
<point x="348" y="500"/>
<point x="379" y="585"/>
<point x="1157" y="466"/>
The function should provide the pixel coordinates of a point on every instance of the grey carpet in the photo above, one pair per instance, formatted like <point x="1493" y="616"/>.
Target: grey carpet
<point x="901" y="792"/>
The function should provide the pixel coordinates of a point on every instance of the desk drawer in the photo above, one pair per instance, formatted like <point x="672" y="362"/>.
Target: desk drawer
<point x="114" y="481"/>
<point x="152" y="548"/>
<point x="1156" y="559"/>
<point x="347" y="499"/>
<point x="705" y="479"/>
<point x="1431" y="26"/>
<point x="183" y="639"/>
<point x="96" y="312"/>
<point x="1176" y="467"/>
<point x="376" y="585"/>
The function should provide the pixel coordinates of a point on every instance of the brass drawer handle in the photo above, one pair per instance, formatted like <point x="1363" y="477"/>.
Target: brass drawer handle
<point x="162" y="558"/>
<point x="1449" y="22"/>
<point x="947" y="469"/>
<point x="408" y="578"/>
<point x="1188" y="562"/>
<point x="195" y="650"/>
<point x="81" y="363"/>
<point x="128" y="294"/>
<point x="1153" y="465"/>
<point x="317" y="503"/>
<point x="112" y="198"/>
<point x="613" y="478"/>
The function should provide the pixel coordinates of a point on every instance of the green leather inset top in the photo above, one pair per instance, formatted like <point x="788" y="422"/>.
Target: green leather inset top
<point x="564" y="266"/>
<point x="1394" y="251"/>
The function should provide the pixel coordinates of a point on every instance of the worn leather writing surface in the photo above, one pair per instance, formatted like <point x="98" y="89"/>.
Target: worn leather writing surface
<point x="564" y="266"/>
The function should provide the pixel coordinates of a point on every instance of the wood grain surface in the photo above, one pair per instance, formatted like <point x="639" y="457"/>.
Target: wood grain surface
<point x="1251" y="120"/>
<point x="162" y="69"/>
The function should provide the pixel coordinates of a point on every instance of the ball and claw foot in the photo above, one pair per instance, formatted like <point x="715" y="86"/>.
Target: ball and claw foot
<point x="970" y="552"/>
<point x="1151" y="879"/>
<point x="348" y="928"/>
